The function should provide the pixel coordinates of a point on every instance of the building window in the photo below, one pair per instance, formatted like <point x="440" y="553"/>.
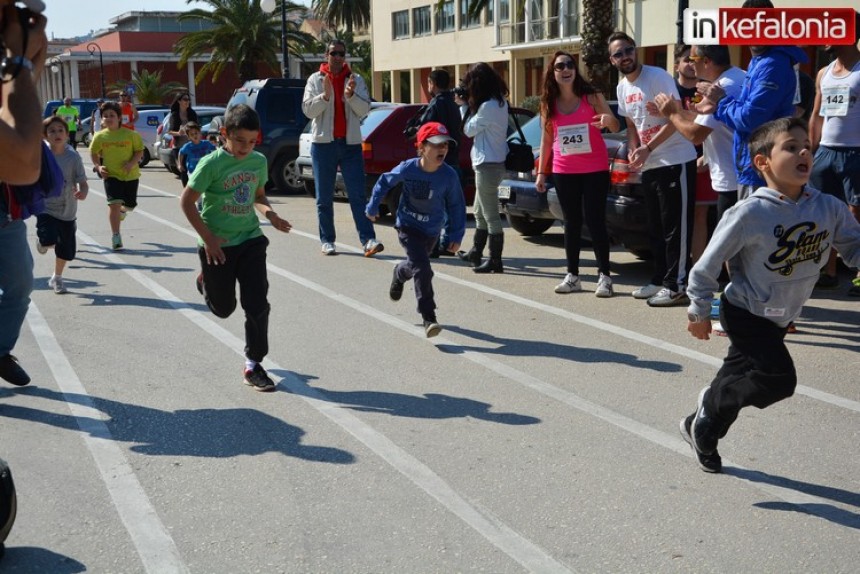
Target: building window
<point x="400" y="22"/>
<point x="490" y="14"/>
<point x="421" y="21"/>
<point x="505" y="11"/>
<point x="465" y="20"/>
<point x="445" y="17"/>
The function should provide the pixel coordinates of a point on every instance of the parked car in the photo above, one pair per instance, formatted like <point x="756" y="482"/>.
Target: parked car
<point x="384" y="146"/>
<point x="147" y="126"/>
<point x="163" y="146"/>
<point x="531" y="213"/>
<point x="278" y="102"/>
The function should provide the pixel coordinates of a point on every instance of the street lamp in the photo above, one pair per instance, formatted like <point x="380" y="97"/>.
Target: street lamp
<point x="57" y="66"/>
<point x="268" y="6"/>
<point x="91" y="48"/>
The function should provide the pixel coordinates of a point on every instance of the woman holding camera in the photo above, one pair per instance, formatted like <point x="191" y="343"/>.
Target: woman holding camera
<point x="487" y="123"/>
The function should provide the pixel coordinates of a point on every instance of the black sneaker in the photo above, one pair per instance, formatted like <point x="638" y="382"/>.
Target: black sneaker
<point x="703" y="427"/>
<point x="259" y="380"/>
<point x="395" y="290"/>
<point x="11" y="371"/>
<point x="707" y="462"/>
<point x="431" y="328"/>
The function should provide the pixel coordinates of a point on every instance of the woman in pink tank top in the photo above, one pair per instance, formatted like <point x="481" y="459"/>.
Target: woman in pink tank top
<point x="572" y="150"/>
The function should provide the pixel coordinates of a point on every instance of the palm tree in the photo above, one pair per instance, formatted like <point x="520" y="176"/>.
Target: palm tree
<point x="241" y="33"/>
<point x="148" y="87"/>
<point x="349" y="14"/>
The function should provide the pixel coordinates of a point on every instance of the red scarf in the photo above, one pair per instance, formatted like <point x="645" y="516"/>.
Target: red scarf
<point x="338" y="84"/>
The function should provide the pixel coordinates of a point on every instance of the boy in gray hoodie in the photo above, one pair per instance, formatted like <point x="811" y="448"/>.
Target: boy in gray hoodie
<point x="775" y="242"/>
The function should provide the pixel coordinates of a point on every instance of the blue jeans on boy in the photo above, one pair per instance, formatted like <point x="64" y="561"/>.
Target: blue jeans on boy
<point x="16" y="280"/>
<point x="325" y="158"/>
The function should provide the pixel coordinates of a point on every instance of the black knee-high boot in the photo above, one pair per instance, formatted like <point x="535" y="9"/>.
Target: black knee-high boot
<point x="494" y="263"/>
<point x="476" y="253"/>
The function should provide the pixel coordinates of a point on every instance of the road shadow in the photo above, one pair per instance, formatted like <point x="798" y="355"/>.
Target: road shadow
<point x="207" y="433"/>
<point x="828" y="512"/>
<point x="837" y="328"/>
<point x="30" y="559"/>
<point x="525" y="348"/>
<point x="427" y="406"/>
<point x="85" y="263"/>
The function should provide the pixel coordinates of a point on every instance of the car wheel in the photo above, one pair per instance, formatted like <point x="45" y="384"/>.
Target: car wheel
<point x="310" y="187"/>
<point x="286" y="175"/>
<point x="145" y="159"/>
<point x="528" y="226"/>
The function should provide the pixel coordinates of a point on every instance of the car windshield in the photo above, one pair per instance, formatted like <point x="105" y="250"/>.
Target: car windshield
<point x="374" y="117"/>
<point x="531" y="129"/>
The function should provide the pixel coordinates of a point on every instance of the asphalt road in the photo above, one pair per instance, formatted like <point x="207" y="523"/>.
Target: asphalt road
<point x="537" y="433"/>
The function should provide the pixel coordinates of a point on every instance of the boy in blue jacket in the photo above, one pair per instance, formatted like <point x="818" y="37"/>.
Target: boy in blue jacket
<point x="430" y="190"/>
<point x="775" y="242"/>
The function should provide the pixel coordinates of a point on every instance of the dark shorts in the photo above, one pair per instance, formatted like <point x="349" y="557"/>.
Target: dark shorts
<point x="836" y="171"/>
<point x="59" y="233"/>
<point x="121" y="192"/>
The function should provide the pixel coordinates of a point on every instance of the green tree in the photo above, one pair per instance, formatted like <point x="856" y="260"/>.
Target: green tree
<point x="348" y="14"/>
<point x="240" y="33"/>
<point x="148" y="88"/>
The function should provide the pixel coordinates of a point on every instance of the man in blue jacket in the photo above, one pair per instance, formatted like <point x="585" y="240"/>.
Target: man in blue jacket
<point x="769" y="93"/>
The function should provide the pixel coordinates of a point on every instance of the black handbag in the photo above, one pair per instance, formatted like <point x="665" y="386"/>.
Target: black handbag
<point x="521" y="157"/>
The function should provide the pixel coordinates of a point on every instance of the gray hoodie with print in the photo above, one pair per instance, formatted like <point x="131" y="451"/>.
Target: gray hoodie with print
<point x="775" y="247"/>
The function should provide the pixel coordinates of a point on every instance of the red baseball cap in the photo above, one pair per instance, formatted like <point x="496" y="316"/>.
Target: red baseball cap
<point x="433" y="132"/>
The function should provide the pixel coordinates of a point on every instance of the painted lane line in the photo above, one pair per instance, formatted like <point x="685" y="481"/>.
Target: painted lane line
<point x="153" y="543"/>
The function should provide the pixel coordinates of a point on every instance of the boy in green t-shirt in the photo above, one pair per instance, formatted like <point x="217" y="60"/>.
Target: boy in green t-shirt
<point x="116" y="153"/>
<point x="231" y="244"/>
<point x="70" y="114"/>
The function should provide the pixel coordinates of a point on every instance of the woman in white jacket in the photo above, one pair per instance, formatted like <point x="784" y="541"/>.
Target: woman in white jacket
<point x="487" y="123"/>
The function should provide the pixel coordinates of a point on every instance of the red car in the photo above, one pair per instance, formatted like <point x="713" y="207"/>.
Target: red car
<point x="384" y="146"/>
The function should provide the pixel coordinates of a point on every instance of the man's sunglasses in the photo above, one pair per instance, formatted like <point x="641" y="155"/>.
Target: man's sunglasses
<point x="628" y="51"/>
<point x="337" y="53"/>
<point x="560" y="66"/>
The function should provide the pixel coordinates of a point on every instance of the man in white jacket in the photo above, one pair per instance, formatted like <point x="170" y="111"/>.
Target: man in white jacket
<point x="336" y="100"/>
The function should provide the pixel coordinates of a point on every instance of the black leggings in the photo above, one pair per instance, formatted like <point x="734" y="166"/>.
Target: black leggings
<point x="584" y="194"/>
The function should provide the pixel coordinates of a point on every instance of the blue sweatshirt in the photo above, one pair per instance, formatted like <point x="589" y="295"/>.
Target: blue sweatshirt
<point x="768" y="94"/>
<point x="775" y="247"/>
<point x="425" y="200"/>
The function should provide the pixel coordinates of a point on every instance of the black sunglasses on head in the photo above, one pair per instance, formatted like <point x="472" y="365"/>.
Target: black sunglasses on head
<point x="337" y="53"/>
<point x="560" y="66"/>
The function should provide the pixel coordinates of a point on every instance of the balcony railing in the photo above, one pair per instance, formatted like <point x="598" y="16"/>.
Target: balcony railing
<point x="513" y="33"/>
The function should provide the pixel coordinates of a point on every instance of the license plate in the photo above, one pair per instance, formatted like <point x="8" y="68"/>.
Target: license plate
<point x="504" y="192"/>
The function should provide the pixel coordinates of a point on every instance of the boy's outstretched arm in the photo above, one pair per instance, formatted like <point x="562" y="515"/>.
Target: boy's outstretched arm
<point x="261" y="202"/>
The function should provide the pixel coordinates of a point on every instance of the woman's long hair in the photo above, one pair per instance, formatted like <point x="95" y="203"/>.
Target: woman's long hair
<point x="551" y="91"/>
<point x="483" y="84"/>
<point x="175" y="120"/>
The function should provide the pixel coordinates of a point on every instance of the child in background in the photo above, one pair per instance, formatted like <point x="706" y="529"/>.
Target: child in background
<point x="431" y="189"/>
<point x="116" y="152"/>
<point x="775" y="242"/>
<point x="193" y="151"/>
<point x="56" y="227"/>
<point x="231" y="246"/>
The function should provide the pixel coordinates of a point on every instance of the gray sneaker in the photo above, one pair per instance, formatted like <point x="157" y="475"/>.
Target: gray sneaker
<point x="647" y="291"/>
<point x="328" y="249"/>
<point x="604" y="286"/>
<point x="668" y="298"/>
<point x="56" y="283"/>
<point x="570" y="284"/>
<point x="42" y="249"/>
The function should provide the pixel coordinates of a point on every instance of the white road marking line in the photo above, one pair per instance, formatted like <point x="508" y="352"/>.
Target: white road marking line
<point x="153" y="543"/>
<point x="519" y="548"/>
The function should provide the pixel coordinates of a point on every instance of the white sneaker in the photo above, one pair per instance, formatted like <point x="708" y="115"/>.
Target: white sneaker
<point x="328" y="249"/>
<point x="42" y="249"/>
<point x="372" y="247"/>
<point x="604" y="286"/>
<point x="647" y="291"/>
<point x="569" y="285"/>
<point x="56" y="283"/>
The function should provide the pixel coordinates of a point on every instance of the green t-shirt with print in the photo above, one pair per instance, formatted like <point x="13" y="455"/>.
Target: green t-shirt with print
<point x="116" y="148"/>
<point x="70" y="115"/>
<point x="228" y="186"/>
